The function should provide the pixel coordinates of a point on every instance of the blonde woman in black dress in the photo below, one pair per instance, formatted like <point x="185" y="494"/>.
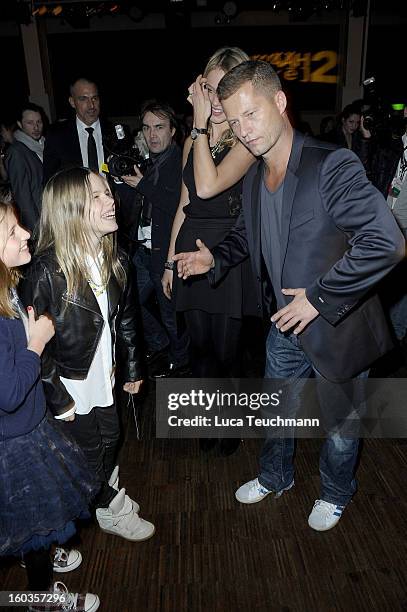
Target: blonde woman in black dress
<point x="214" y="165"/>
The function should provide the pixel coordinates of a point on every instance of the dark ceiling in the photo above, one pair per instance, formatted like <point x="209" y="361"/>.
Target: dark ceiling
<point x="21" y="10"/>
<point x="79" y="12"/>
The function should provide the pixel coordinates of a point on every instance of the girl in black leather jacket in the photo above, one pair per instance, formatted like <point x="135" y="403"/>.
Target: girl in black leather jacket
<point x="79" y="278"/>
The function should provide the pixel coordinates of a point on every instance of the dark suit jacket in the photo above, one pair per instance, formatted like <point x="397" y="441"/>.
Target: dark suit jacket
<point x="62" y="148"/>
<point x="338" y="240"/>
<point x="24" y="169"/>
<point x="164" y="195"/>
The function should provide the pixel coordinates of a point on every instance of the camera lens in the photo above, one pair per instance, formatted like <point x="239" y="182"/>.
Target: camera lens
<point x="120" y="165"/>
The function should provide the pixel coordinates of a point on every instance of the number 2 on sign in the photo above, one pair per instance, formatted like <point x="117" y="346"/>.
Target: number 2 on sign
<point x="319" y="75"/>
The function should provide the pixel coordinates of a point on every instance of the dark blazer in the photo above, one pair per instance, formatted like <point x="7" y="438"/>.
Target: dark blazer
<point x="62" y="148"/>
<point x="25" y="171"/>
<point x="338" y="240"/>
<point x="362" y="147"/>
<point x="163" y="192"/>
<point x="79" y="325"/>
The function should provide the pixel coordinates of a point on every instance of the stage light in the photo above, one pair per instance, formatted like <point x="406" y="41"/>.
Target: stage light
<point x="229" y="12"/>
<point x="230" y="9"/>
<point x="40" y="11"/>
<point x="135" y="13"/>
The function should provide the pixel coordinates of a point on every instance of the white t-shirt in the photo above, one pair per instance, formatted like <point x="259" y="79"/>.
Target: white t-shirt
<point x="97" y="388"/>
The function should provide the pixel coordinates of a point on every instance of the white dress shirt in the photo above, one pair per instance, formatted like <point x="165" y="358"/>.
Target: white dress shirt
<point x="144" y="235"/>
<point x="83" y="141"/>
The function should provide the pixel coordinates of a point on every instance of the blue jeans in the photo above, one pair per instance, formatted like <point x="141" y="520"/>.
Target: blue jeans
<point x="285" y="359"/>
<point x="158" y="334"/>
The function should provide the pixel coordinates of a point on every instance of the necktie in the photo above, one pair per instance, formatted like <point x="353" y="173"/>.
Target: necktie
<point x="92" y="151"/>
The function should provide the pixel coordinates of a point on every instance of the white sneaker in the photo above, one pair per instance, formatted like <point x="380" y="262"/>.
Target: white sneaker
<point x="121" y="519"/>
<point x="324" y="515"/>
<point x="64" y="600"/>
<point x="114" y="483"/>
<point x="252" y="492"/>
<point x="64" y="560"/>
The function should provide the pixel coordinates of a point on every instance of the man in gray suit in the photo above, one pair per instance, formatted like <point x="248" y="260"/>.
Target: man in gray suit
<point x="316" y="228"/>
<point x="24" y="164"/>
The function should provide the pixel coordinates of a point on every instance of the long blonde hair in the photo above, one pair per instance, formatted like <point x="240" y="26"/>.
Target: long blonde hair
<point x="8" y="277"/>
<point x="63" y="228"/>
<point x="226" y="58"/>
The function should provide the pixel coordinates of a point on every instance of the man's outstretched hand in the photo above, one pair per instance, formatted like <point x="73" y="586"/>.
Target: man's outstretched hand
<point x="197" y="262"/>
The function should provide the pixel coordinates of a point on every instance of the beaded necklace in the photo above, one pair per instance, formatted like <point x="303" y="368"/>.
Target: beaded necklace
<point x="217" y="147"/>
<point x="97" y="288"/>
<point x="220" y="144"/>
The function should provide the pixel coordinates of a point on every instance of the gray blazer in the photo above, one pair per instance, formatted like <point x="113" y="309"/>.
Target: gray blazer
<point x="338" y="240"/>
<point x="24" y="169"/>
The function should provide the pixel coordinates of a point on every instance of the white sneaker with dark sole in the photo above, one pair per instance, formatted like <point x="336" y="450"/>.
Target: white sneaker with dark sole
<point x="64" y="560"/>
<point x="252" y="492"/>
<point x="324" y="515"/>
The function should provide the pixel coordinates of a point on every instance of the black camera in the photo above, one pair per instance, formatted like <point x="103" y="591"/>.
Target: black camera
<point x="122" y="165"/>
<point x="123" y="154"/>
<point x="381" y="119"/>
<point x="374" y="116"/>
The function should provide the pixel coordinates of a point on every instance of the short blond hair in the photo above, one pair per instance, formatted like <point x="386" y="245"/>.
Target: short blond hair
<point x="260" y="74"/>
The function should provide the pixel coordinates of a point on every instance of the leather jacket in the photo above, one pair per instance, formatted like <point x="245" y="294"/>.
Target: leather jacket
<point x="78" y="326"/>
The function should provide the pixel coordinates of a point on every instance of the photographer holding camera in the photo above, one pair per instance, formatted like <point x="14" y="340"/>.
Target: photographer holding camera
<point x="352" y="134"/>
<point x="158" y="190"/>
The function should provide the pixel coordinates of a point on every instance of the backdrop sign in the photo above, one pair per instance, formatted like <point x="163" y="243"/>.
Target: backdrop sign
<point x="320" y="67"/>
<point x="142" y="64"/>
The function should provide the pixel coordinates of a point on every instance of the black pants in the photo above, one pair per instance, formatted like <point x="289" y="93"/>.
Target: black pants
<point x="97" y="434"/>
<point x="39" y="569"/>
<point x="214" y="343"/>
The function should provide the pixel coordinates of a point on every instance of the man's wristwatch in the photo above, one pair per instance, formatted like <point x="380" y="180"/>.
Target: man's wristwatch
<point x="196" y="131"/>
<point x="169" y="265"/>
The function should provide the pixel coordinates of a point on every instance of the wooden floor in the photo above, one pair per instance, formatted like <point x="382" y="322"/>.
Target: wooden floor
<point x="212" y="554"/>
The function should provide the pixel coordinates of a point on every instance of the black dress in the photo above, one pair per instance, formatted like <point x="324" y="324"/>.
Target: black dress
<point x="211" y="220"/>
